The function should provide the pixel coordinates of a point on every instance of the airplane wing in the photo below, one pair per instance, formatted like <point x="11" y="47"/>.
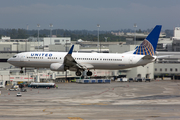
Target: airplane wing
<point x="87" y="66"/>
<point x="70" y="62"/>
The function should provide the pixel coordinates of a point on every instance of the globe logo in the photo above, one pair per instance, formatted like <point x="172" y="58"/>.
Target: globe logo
<point x="145" y="48"/>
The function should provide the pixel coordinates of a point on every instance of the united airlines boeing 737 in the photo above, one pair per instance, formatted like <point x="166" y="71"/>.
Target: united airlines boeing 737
<point x="62" y="61"/>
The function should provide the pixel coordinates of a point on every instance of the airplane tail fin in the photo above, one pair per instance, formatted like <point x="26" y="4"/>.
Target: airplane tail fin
<point x="148" y="46"/>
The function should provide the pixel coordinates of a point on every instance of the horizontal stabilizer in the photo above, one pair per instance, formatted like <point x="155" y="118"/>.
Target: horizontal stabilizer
<point x="148" y="57"/>
<point x="164" y="56"/>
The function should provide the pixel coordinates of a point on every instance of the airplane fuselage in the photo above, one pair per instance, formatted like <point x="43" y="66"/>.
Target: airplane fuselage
<point x="93" y="60"/>
<point x="62" y="61"/>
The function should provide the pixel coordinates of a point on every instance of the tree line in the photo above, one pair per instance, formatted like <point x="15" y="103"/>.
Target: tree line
<point x="74" y="34"/>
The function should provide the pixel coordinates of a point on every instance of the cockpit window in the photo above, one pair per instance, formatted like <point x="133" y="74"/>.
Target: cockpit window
<point x="14" y="56"/>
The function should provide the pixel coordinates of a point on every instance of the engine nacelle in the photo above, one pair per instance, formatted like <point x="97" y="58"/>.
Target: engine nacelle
<point x="57" y="67"/>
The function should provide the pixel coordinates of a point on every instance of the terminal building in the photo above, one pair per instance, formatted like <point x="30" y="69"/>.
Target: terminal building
<point x="166" y="67"/>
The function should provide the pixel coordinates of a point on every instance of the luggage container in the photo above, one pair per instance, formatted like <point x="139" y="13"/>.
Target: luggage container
<point x="93" y="81"/>
<point x="86" y="81"/>
<point x="77" y="80"/>
<point x="124" y="79"/>
<point x="118" y="79"/>
<point x="100" y="81"/>
<point x="107" y="81"/>
<point x="81" y="81"/>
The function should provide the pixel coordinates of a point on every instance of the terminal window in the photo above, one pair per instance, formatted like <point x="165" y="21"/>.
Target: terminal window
<point x="56" y="40"/>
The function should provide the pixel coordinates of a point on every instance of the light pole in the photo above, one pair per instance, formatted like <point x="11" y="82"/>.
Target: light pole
<point x="66" y="69"/>
<point x="98" y="26"/>
<point x="51" y="25"/>
<point x="27" y="27"/>
<point x="38" y="26"/>
<point x="17" y="45"/>
<point x="105" y="39"/>
<point x="135" y="26"/>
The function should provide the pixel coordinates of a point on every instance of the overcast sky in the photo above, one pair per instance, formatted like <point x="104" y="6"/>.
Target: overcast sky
<point x="86" y="14"/>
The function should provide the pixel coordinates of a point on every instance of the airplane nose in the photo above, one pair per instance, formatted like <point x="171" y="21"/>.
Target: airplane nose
<point x="9" y="60"/>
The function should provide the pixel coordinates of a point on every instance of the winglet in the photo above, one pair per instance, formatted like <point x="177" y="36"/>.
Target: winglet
<point x="71" y="50"/>
<point x="148" y="46"/>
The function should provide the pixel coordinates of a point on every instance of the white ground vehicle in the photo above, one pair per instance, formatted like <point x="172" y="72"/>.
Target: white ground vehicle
<point x="19" y="94"/>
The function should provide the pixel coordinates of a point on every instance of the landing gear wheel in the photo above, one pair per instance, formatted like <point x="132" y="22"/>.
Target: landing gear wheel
<point x="21" y="71"/>
<point x="89" y="73"/>
<point x="78" y="73"/>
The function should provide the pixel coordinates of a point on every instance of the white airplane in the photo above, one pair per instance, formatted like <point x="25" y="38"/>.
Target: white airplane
<point x="62" y="61"/>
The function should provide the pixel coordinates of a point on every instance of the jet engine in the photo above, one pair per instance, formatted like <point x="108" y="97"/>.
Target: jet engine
<point x="57" y="67"/>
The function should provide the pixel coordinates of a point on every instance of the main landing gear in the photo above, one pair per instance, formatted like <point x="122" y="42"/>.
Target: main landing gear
<point x="89" y="73"/>
<point x="78" y="73"/>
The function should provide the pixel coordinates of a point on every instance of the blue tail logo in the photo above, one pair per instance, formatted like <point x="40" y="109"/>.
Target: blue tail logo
<point x="148" y="46"/>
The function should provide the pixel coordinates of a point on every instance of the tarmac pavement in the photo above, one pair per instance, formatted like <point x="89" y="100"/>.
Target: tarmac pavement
<point x="71" y="101"/>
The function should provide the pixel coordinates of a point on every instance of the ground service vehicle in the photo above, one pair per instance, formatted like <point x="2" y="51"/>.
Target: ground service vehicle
<point x="42" y="85"/>
<point x="148" y="80"/>
<point x="19" y="94"/>
<point x="130" y="79"/>
<point x="139" y="80"/>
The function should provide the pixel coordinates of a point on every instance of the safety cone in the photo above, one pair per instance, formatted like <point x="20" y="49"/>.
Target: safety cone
<point x="8" y="93"/>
